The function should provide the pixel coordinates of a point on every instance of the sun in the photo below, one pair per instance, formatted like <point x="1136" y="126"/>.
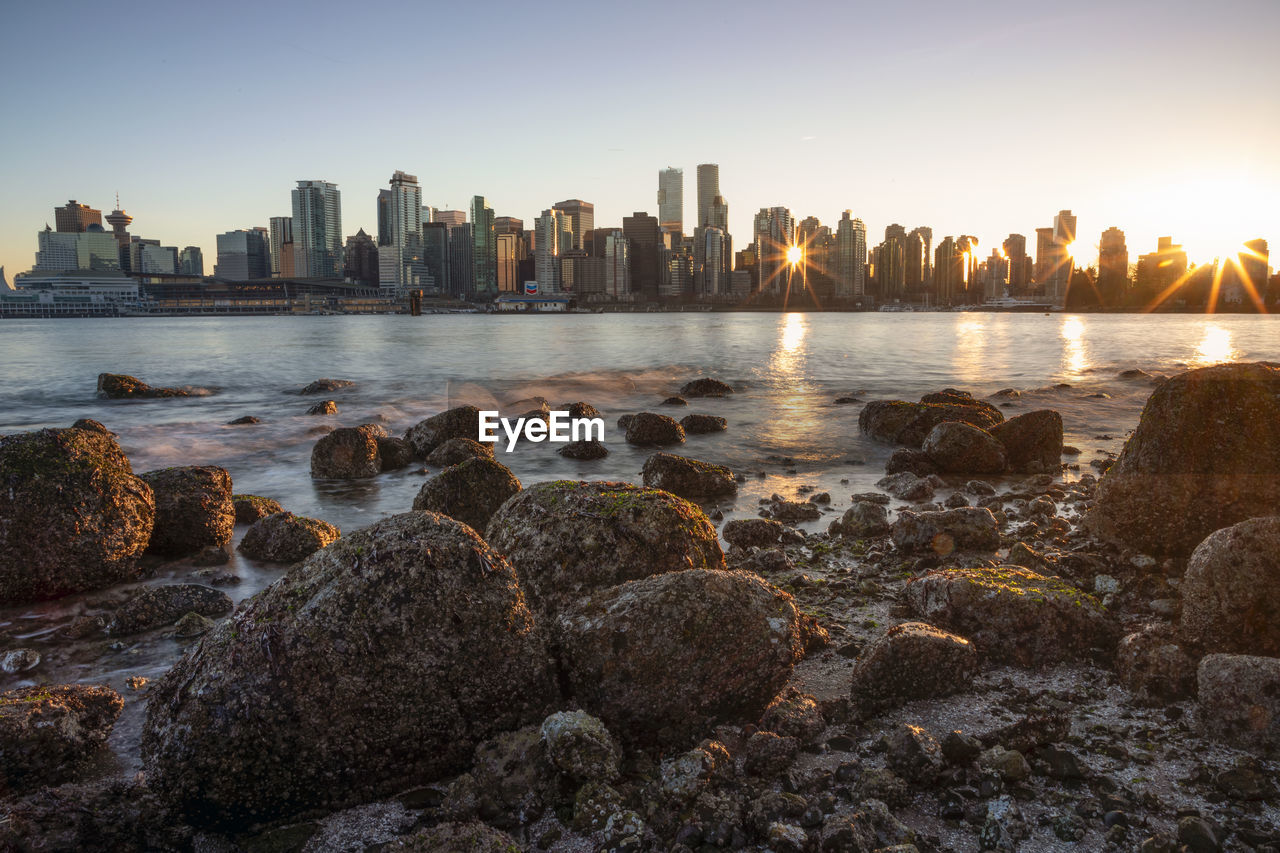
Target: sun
<point x="794" y="255"/>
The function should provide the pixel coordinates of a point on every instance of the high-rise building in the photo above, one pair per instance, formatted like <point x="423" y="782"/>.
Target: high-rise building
<point x="1113" y="267"/>
<point x="708" y="189"/>
<point x="317" y="230"/>
<point x="243" y="255"/>
<point x="949" y="272"/>
<point x="644" y="252"/>
<point x="851" y="257"/>
<point x="1253" y="265"/>
<point x="1015" y="249"/>
<point x="148" y="257"/>
<point x="76" y="218"/>
<point x="917" y="257"/>
<point x="1160" y="273"/>
<point x="384" y="217"/>
<point x="508" y="258"/>
<point x="435" y="256"/>
<point x="582" y="218"/>
<point x="718" y="214"/>
<point x="774" y="232"/>
<point x="1054" y="270"/>
<point x="462" y="274"/>
<point x="400" y="262"/>
<point x="451" y="217"/>
<point x="191" y="261"/>
<point x="61" y="251"/>
<point x="484" y="254"/>
<point x="281" y="243"/>
<point x="509" y="225"/>
<point x="891" y="264"/>
<point x="671" y="199"/>
<point x="362" y="260"/>
<point x="994" y="275"/>
<point x="713" y="254"/>
<point x="617" y="266"/>
<point x="553" y="237"/>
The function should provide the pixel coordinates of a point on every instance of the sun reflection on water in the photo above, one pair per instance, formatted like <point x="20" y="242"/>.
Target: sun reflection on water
<point x="1075" y="354"/>
<point x="970" y="358"/>
<point x="1215" y="347"/>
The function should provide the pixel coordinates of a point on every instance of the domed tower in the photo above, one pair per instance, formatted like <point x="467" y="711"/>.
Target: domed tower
<point x="119" y="222"/>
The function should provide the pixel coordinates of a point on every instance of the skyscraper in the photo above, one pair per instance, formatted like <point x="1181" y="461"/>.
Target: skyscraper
<point x="462" y="274"/>
<point x="617" y="268"/>
<point x="553" y="237"/>
<point x="76" y="218"/>
<point x="400" y="265"/>
<point x="1113" y="267"/>
<point x="435" y="256"/>
<point x="712" y="257"/>
<point x="644" y="252"/>
<point x="1060" y="262"/>
<point x="774" y="232"/>
<point x="851" y="256"/>
<point x="191" y="261"/>
<point x="243" y="255"/>
<point x="582" y="219"/>
<point x="708" y="189"/>
<point x="281" y="242"/>
<point x="1015" y="249"/>
<point x="484" y="253"/>
<point x="317" y="230"/>
<point x="362" y="258"/>
<point x="450" y="217"/>
<point x="671" y="199"/>
<point x="93" y="249"/>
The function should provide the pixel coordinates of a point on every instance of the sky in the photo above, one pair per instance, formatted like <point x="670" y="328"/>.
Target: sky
<point x="982" y="118"/>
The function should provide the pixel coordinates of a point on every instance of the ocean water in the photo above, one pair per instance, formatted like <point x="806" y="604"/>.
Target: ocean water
<point x="785" y="434"/>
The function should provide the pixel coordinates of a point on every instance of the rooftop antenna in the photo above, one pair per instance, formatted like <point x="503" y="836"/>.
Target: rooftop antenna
<point x="117" y="199"/>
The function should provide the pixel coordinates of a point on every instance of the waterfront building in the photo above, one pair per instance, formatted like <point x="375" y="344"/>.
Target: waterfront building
<point x="1113" y="267"/>
<point x="74" y="218"/>
<point x="93" y="249"/>
<point x="462" y="280"/>
<point x="484" y="252"/>
<point x="851" y="256"/>
<point x="553" y="237"/>
<point x="582" y="219"/>
<point x="435" y="257"/>
<point x="243" y="254"/>
<point x="1015" y="249"/>
<point x="644" y="251"/>
<point x="191" y="261"/>
<point x="362" y="260"/>
<point x="280" y="237"/>
<point x="400" y="260"/>
<point x="317" y="230"/>
<point x="774" y="232"/>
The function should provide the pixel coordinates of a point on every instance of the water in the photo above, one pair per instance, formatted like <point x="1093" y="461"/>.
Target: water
<point x="784" y="431"/>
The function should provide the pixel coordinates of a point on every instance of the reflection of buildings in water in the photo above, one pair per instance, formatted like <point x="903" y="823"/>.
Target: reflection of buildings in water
<point x="1215" y="346"/>
<point x="1075" y="356"/>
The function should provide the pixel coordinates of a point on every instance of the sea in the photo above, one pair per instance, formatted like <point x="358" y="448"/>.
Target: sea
<point x="786" y="433"/>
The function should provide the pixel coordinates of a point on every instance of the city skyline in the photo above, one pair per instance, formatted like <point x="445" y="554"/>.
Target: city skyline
<point x="950" y="131"/>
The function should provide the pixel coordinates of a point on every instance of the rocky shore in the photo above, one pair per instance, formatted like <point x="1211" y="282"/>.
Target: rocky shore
<point x="978" y="655"/>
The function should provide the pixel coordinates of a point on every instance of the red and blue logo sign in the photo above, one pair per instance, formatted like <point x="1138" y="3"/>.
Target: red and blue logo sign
<point x="531" y="288"/>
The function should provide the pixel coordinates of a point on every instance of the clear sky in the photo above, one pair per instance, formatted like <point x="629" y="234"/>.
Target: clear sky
<point x="981" y="118"/>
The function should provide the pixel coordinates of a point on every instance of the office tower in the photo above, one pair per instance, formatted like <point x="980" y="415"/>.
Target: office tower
<point x="1160" y="272"/>
<point x="451" y="217"/>
<point x="918" y="261"/>
<point x="362" y="260"/>
<point x="677" y="273"/>
<point x="711" y="258"/>
<point x="435" y="256"/>
<point x="76" y="218"/>
<point x="1253" y="265"/>
<point x="384" y="217"/>
<point x="400" y="266"/>
<point x="243" y="255"/>
<point x="508" y="262"/>
<point x="1113" y="267"/>
<point x="994" y="275"/>
<point x="462" y="274"/>
<point x="891" y="264"/>
<point x="644" y="253"/>
<point x="582" y="275"/>
<point x="774" y="232"/>
<point x="509" y="225"/>
<point x="317" y="230"/>
<point x="553" y="237"/>
<point x="148" y="257"/>
<point x="851" y="257"/>
<point x="582" y="218"/>
<point x="191" y="261"/>
<point x="718" y="214"/>
<point x="484" y="253"/>
<point x="948" y="272"/>
<point x="708" y="189"/>
<point x="1057" y="264"/>
<point x="671" y="199"/>
<point x="281" y="235"/>
<point x="1015" y="249"/>
<point x="617" y="265"/>
<point x="60" y="251"/>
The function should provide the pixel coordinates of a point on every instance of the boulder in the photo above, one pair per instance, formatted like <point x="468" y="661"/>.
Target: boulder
<point x="901" y="422"/>
<point x="376" y="665"/>
<point x="1154" y="667"/>
<point x="1205" y="455"/>
<point x="458" y="422"/>
<point x="1032" y="442"/>
<point x="244" y="420"/>
<point x="72" y="515"/>
<point x="586" y="449"/>
<point x="47" y="731"/>
<point x="906" y="486"/>
<point x="326" y="386"/>
<point x="660" y="660"/>
<point x="650" y="428"/>
<point x="470" y="491"/>
<point x="395" y="453"/>
<point x="1014" y="615"/>
<point x="92" y="426"/>
<point x="568" y="539"/>
<point x="688" y="478"/>
<point x="706" y="387"/>
<point x="754" y="532"/>
<point x="580" y="410"/>
<point x="1239" y="699"/>
<point x="250" y="508"/>
<point x="458" y="449"/>
<point x="324" y="407"/>
<point x="157" y="606"/>
<point x="347" y="453"/>
<point x="912" y="461"/>
<point x="193" y="509"/>
<point x="118" y="386"/>
<point x="703" y="424"/>
<point x="579" y="744"/>
<point x="781" y="509"/>
<point x="286" y="538"/>
<point x="961" y="448"/>
<point x="473" y="837"/>
<point x="1231" y="590"/>
<point x="966" y="528"/>
<point x="863" y="520"/>
<point x="912" y="661"/>
<point x="675" y="401"/>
